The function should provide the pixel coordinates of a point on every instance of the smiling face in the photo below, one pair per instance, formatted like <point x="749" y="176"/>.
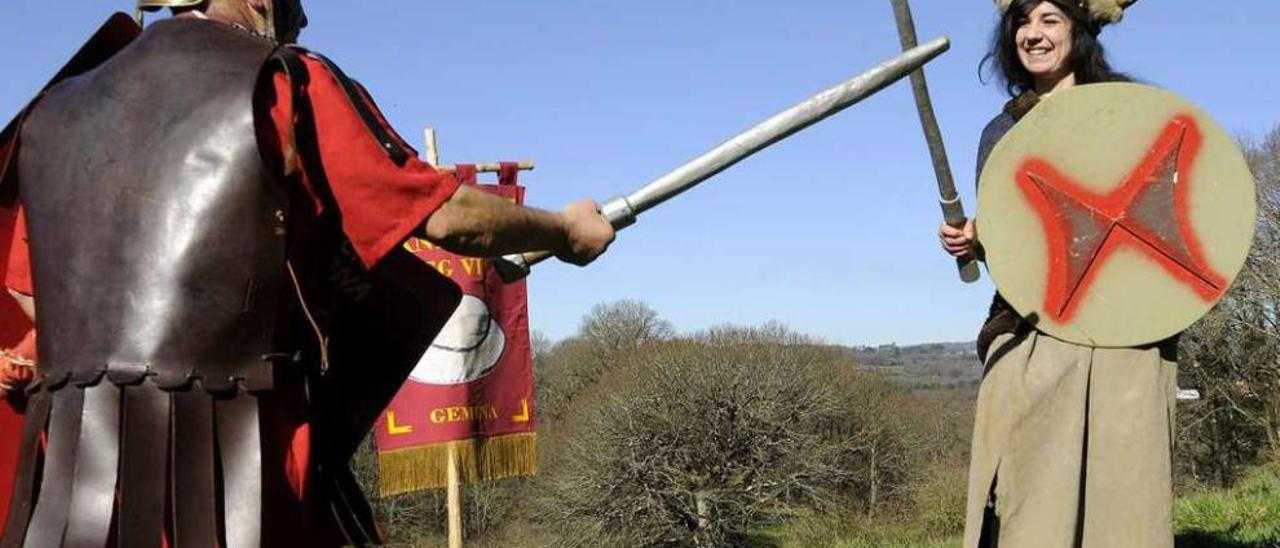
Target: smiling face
<point x="1044" y="46"/>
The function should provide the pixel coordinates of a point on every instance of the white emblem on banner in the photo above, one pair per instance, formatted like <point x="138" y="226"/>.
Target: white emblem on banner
<point x="467" y="348"/>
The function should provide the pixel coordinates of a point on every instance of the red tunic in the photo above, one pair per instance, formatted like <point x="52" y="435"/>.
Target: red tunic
<point x="381" y="204"/>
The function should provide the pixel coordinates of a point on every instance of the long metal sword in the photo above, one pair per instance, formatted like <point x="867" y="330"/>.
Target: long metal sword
<point x="622" y="211"/>
<point x="952" y="209"/>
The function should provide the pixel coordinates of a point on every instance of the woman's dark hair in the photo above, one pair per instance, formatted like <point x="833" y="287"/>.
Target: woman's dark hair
<point x="1087" y="58"/>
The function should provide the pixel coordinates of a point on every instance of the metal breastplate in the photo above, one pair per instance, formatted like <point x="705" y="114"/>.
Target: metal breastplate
<point x="157" y="236"/>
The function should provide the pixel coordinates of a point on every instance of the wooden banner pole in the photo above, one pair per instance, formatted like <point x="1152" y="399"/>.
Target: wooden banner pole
<point x="455" y="501"/>
<point x="454" y="482"/>
<point x="433" y="153"/>
<point x="454" y="485"/>
<point x="433" y="157"/>
<point x="489" y="167"/>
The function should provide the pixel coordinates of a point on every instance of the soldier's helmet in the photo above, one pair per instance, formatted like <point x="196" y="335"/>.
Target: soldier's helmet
<point x="287" y="16"/>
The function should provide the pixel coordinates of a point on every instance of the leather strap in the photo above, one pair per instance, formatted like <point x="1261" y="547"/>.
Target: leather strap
<point x="305" y="136"/>
<point x="145" y="444"/>
<point x="391" y="144"/>
<point x="50" y="519"/>
<point x="240" y="451"/>
<point x="29" y="457"/>
<point x="97" y="462"/>
<point x="194" y="498"/>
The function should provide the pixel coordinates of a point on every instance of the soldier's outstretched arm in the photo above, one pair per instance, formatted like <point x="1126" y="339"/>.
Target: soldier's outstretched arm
<point x="480" y="224"/>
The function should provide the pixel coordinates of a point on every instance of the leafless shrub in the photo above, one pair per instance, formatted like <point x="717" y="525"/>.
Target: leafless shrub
<point x="1233" y="354"/>
<point x="704" y="437"/>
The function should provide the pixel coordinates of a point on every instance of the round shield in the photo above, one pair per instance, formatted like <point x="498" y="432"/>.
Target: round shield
<point x="1115" y="214"/>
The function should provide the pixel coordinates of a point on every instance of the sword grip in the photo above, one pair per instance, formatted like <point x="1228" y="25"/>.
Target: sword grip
<point x="617" y="211"/>
<point x="953" y="214"/>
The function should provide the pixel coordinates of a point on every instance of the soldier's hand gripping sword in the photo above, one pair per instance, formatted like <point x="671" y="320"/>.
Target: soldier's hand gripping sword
<point x="622" y="211"/>
<point x="952" y="209"/>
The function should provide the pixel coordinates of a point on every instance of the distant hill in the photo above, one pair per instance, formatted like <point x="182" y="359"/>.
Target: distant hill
<point x="923" y="366"/>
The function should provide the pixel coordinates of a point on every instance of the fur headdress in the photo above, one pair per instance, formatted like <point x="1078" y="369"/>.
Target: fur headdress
<point x="1102" y="11"/>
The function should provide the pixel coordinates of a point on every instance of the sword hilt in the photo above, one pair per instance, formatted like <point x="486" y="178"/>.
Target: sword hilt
<point x="516" y="266"/>
<point x="953" y="215"/>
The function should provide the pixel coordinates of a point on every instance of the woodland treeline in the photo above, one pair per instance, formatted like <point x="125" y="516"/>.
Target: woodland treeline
<point x="1233" y="355"/>
<point x="737" y="436"/>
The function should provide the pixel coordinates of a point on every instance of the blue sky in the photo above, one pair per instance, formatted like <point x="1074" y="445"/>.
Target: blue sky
<point x="831" y="231"/>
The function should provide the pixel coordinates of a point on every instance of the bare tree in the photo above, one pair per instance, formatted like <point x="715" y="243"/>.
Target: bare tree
<point x="1233" y="355"/>
<point x="622" y="326"/>
<point x="540" y="345"/>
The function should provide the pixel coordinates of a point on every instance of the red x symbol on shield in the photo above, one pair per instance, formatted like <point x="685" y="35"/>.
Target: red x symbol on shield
<point x="1148" y="212"/>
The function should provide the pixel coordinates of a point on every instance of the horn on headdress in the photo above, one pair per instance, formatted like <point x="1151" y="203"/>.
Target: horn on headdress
<point x="1102" y="11"/>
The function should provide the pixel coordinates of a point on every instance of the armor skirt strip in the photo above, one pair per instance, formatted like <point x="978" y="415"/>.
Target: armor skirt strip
<point x="145" y="446"/>
<point x="50" y="519"/>
<point x="97" y="463"/>
<point x="194" y="502"/>
<point x="27" y="472"/>
<point x="240" y="454"/>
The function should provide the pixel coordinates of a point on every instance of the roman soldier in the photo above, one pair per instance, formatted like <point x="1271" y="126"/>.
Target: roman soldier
<point x="214" y="218"/>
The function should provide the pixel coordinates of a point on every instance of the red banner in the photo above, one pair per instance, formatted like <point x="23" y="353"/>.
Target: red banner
<point x="471" y="394"/>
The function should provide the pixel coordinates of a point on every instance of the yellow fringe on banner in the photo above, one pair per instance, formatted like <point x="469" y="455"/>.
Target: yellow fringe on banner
<point x="427" y="467"/>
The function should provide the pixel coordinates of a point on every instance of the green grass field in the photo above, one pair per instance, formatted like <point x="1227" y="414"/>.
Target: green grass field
<point x="1246" y="516"/>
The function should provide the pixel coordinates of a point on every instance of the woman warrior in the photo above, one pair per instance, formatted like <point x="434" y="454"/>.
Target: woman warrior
<point x="1072" y="444"/>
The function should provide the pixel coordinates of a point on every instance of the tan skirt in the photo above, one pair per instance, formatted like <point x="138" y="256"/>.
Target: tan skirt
<point x="1073" y="445"/>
